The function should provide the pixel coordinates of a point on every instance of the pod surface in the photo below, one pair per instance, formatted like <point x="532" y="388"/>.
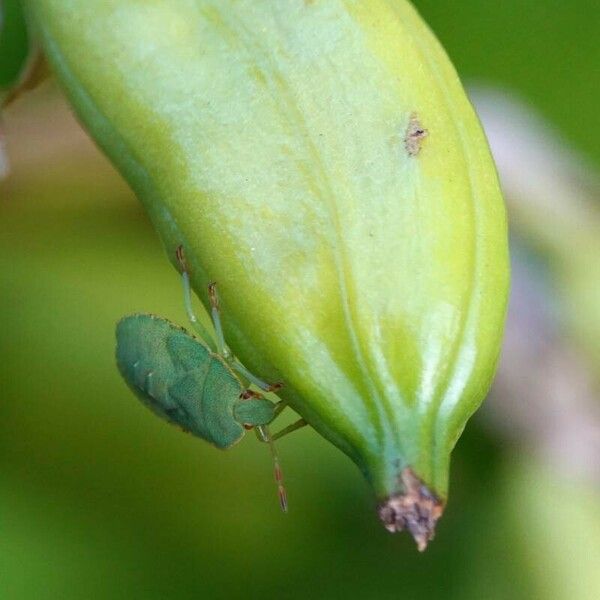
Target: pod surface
<point x="321" y="162"/>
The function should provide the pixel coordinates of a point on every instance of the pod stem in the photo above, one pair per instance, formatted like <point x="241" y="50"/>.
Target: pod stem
<point x="416" y="510"/>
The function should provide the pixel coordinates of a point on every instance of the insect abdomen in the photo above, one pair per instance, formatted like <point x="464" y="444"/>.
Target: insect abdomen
<point x="178" y="378"/>
<point x="209" y="396"/>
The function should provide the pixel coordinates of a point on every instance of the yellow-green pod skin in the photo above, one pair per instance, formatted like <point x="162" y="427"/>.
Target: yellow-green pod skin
<point x="360" y="259"/>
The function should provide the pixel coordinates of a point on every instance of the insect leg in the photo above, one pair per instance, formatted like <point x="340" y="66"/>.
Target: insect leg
<point x="187" y="299"/>
<point x="236" y="365"/>
<point x="222" y="348"/>
<point x="213" y="296"/>
<point x="265" y="436"/>
<point x="293" y="427"/>
<point x="279" y="408"/>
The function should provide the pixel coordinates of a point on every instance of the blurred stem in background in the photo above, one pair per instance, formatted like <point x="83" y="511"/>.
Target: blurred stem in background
<point x="553" y="195"/>
<point x="545" y="401"/>
<point x="546" y="391"/>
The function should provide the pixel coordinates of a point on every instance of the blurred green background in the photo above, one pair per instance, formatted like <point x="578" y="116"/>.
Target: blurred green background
<point x="99" y="499"/>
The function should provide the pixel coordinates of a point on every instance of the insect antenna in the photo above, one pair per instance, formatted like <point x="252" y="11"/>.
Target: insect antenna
<point x="265" y="435"/>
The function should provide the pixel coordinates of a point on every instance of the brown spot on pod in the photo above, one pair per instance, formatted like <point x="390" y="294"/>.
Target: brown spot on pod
<point x="415" y="134"/>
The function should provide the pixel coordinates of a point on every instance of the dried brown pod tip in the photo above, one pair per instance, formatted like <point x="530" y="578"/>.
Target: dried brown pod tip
<point x="416" y="510"/>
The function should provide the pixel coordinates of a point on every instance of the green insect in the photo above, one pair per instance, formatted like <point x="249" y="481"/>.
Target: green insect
<point x="183" y="381"/>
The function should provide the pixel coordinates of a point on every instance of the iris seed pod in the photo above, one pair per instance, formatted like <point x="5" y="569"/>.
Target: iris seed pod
<point x="320" y="161"/>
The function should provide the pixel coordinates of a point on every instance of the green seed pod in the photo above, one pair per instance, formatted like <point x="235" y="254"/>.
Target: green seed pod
<point x="319" y="159"/>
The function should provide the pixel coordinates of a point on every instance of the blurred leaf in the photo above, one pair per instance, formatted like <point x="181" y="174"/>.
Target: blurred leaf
<point x="547" y="51"/>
